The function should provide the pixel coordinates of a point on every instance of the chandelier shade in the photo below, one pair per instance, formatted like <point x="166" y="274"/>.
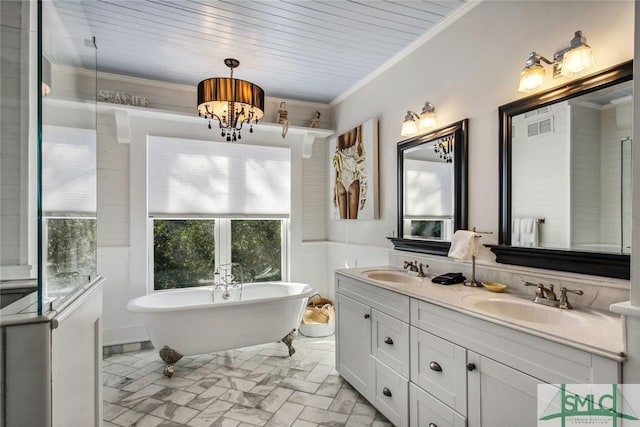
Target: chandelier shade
<point x="232" y="102"/>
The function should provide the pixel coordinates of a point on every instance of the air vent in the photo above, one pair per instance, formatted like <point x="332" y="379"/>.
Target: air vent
<point x="540" y="127"/>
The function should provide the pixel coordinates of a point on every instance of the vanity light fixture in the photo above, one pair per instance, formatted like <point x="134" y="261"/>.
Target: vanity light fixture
<point x="232" y="102"/>
<point x="414" y="122"/>
<point x="566" y="62"/>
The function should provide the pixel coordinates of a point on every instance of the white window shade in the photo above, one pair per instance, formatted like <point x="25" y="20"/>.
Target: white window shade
<point x="188" y="177"/>
<point x="428" y="188"/>
<point x="69" y="169"/>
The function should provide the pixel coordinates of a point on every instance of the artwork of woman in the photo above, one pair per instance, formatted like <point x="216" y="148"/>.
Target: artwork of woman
<point x="350" y="185"/>
<point x="282" y="118"/>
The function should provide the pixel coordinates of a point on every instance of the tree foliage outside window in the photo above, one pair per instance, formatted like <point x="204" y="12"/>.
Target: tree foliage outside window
<point x="71" y="253"/>
<point x="184" y="253"/>
<point x="257" y="245"/>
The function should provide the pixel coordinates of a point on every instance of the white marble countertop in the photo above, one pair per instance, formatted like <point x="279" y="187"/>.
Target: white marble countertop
<point x="590" y="330"/>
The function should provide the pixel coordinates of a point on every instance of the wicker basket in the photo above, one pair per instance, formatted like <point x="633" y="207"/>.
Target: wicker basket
<point x="319" y="318"/>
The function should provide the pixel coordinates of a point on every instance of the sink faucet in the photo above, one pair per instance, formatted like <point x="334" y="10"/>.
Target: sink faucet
<point x="415" y="267"/>
<point x="564" y="302"/>
<point x="543" y="294"/>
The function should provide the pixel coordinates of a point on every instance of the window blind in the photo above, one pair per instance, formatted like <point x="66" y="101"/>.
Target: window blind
<point x="190" y="177"/>
<point x="69" y="169"/>
<point x="428" y="188"/>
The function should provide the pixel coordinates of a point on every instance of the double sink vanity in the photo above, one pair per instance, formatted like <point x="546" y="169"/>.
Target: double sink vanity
<point x="431" y="355"/>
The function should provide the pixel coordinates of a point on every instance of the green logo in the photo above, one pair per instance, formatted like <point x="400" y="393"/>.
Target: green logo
<point x="586" y="404"/>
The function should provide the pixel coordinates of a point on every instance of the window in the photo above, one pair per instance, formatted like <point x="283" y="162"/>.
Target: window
<point x="197" y="192"/>
<point x="187" y="251"/>
<point x="68" y="208"/>
<point x="183" y="253"/>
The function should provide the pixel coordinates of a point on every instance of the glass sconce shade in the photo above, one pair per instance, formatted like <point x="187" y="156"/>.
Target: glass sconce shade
<point x="428" y="116"/>
<point x="531" y="78"/>
<point x="577" y="60"/>
<point x="409" y="125"/>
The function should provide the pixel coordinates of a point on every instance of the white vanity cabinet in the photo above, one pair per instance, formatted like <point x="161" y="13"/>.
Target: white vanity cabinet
<point x="372" y="345"/>
<point x="490" y="373"/>
<point x="447" y="368"/>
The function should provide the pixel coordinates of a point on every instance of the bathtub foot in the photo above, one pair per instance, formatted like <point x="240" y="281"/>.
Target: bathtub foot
<point x="288" y="341"/>
<point x="170" y="357"/>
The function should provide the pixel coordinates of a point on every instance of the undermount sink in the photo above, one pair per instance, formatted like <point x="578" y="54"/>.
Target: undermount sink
<point x="527" y="311"/>
<point x="391" y="276"/>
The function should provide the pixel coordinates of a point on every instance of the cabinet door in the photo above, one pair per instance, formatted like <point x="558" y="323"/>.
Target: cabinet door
<point x="500" y="395"/>
<point x="353" y="343"/>
<point x="391" y="394"/>
<point x="439" y="367"/>
<point x="427" y="411"/>
<point x="390" y="342"/>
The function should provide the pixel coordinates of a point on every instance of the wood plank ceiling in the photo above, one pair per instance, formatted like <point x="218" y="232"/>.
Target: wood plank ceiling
<point x="306" y="50"/>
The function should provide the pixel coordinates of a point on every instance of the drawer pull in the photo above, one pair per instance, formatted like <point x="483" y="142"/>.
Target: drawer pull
<point x="433" y="425"/>
<point x="388" y="340"/>
<point x="366" y="315"/>
<point x="386" y="392"/>
<point x="471" y="367"/>
<point x="435" y="366"/>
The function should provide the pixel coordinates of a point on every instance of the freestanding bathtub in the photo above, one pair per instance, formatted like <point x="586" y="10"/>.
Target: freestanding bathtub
<point x="195" y="321"/>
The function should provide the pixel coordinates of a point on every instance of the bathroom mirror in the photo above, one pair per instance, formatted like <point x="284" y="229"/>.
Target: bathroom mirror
<point x="565" y="177"/>
<point x="432" y="189"/>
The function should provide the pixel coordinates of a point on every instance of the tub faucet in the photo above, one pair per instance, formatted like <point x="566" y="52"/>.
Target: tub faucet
<point x="229" y="280"/>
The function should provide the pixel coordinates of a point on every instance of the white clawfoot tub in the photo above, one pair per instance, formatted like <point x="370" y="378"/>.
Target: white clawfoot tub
<point x="193" y="321"/>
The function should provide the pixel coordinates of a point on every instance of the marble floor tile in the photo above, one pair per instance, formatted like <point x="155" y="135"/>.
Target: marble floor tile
<point x="322" y="416"/>
<point x="247" y="387"/>
<point x="286" y="415"/>
<point x="275" y="399"/>
<point x="344" y="401"/>
<point x="308" y="399"/>
<point x="176" y="413"/>
<point x="253" y="416"/>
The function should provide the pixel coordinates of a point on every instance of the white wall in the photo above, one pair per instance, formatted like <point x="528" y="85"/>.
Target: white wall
<point x="467" y="70"/>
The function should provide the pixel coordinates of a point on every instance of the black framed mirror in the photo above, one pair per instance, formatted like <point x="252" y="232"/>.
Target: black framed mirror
<point x="432" y="189"/>
<point x="565" y="177"/>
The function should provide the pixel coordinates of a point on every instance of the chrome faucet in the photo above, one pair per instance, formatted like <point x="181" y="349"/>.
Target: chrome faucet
<point x="543" y="294"/>
<point x="415" y="267"/>
<point x="564" y="302"/>
<point x="228" y="279"/>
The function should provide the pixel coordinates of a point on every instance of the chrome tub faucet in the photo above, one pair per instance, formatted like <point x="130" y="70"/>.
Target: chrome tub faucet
<point x="228" y="280"/>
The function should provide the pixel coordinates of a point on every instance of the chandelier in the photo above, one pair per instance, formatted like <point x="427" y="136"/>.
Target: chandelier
<point x="444" y="148"/>
<point x="232" y="102"/>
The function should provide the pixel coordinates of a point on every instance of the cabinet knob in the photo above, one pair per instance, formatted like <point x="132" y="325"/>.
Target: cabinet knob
<point x="435" y="366"/>
<point x="386" y="392"/>
<point x="366" y="315"/>
<point x="388" y="340"/>
<point x="433" y="425"/>
<point x="471" y="367"/>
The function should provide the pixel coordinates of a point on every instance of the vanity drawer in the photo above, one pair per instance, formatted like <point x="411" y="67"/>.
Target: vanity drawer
<point x="391" y="394"/>
<point x="390" y="342"/>
<point x="427" y="411"/>
<point x="384" y="300"/>
<point x="439" y="367"/>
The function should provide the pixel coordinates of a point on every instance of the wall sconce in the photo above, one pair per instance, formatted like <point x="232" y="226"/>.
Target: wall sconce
<point x="412" y="121"/>
<point x="566" y="62"/>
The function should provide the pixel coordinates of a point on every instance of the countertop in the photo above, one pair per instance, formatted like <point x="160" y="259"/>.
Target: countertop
<point x="590" y="330"/>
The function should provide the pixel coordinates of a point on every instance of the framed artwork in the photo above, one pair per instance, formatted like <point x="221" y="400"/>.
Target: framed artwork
<point x="354" y="173"/>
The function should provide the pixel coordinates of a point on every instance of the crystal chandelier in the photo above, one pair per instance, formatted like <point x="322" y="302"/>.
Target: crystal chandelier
<point x="232" y="102"/>
<point x="444" y="148"/>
